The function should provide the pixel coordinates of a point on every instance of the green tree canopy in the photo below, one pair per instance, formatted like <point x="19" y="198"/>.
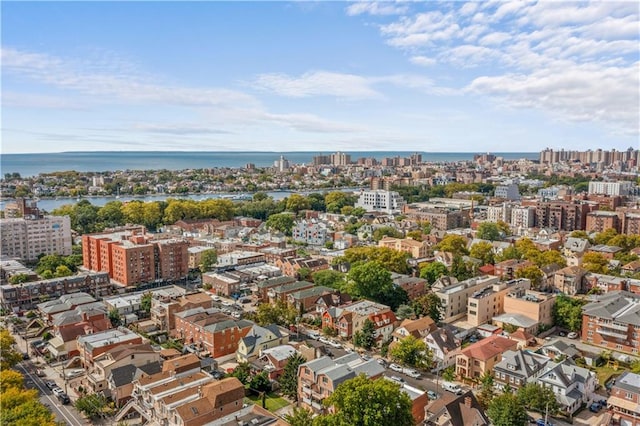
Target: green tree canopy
<point x="365" y="338"/>
<point x="9" y="356"/>
<point x="386" y="231"/>
<point x="428" y="304"/>
<point x="412" y="351"/>
<point x="538" y="398"/>
<point x="533" y="273"/>
<point x="329" y="278"/>
<point x="483" y="250"/>
<point x="488" y="231"/>
<point x="364" y="402"/>
<point x="453" y="244"/>
<point x="299" y="417"/>
<point x="282" y="222"/>
<point x="279" y="313"/>
<point x="507" y="410"/>
<point x="289" y="379"/>
<point x="567" y="312"/>
<point x="94" y="406"/>
<point x="432" y="271"/>
<point x="371" y="280"/>
<point x="208" y="259"/>
<point x="595" y="263"/>
<point x="393" y="260"/>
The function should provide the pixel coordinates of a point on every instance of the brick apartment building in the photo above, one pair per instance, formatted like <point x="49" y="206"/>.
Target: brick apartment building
<point x="562" y="215"/>
<point x="416" y="249"/>
<point x="612" y="321"/>
<point x="132" y="257"/>
<point x="624" y="400"/>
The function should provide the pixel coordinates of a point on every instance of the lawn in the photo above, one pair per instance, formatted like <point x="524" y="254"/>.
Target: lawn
<point x="606" y="371"/>
<point x="273" y="401"/>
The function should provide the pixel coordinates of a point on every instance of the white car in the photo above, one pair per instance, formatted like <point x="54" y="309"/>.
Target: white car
<point x="57" y="391"/>
<point x="227" y="303"/>
<point x="216" y="298"/>
<point x="335" y="344"/>
<point x="325" y="340"/>
<point x="395" y="367"/>
<point x="572" y="335"/>
<point x="411" y="373"/>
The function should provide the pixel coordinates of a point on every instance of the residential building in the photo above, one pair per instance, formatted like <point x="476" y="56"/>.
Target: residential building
<point x="419" y="328"/>
<point x="124" y="355"/>
<point x="560" y="350"/>
<point x="508" y="192"/>
<point x="125" y="304"/>
<point x="416" y="249"/>
<point x="223" y="283"/>
<point x="305" y="300"/>
<point x="599" y="220"/>
<point x="507" y="268"/>
<point x="120" y="380"/>
<point x="443" y="345"/>
<point x="413" y="286"/>
<point x="607" y="251"/>
<point x="454" y="295"/>
<point x="609" y="283"/>
<point x="624" y="399"/>
<point x="610" y="188"/>
<point x="291" y="265"/>
<point x="195" y="255"/>
<point x="612" y="321"/>
<point x="380" y="201"/>
<point x="517" y="368"/>
<point x="523" y="217"/>
<point x="67" y="326"/>
<point x="273" y="360"/>
<point x="211" y="331"/>
<point x="262" y="287"/>
<point x="499" y="213"/>
<point x="441" y="219"/>
<point x="419" y="400"/>
<point x="535" y="305"/>
<point x="349" y="319"/>
<point x="90" y="346"/>
<point x="453" y="410"/>
<point x="487" y="302"/>
<point x="570" y="280"/>
<point x="576" y="245"/>
<point x="481" y="357"/>
<point x="310" y="232"/>
<point x="165" y="304"/>
<point x="280" y="293"/>
<point x="562" y="215"/>
<point x="133" y="257"/>
<point x="259" y="339"/>
<point x="65" y="303"/>
<point x="572" y="385"/>
<point x="319" y="378"/>
<point x="26" y="238"/>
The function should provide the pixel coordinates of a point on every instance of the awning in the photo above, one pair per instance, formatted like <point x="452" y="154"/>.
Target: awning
<point x="616" y="401"/>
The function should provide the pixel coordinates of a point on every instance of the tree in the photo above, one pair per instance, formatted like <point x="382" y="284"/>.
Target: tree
<point x="21" y="406"/>
<point x="289" y="379"/>
<point x="260" y="382"/>
<point x="454" y="244"/>
<point x="412" y="351"/>
<point x="488" y="231"/>
<point x="429" y="304"/>
<point x="506" y="410"/>
<point x="282" y="222"/>
<point x="567" y="312"/>
<point x="364" y="402"/>
<point x="432" y="271"/>
<point x="595" y="263"/>
<point x="18" y="279"/>
<point x="9" y="356"/>
<point x="299" y="417"/>
<point x="279" y="313"/>
<point x="393" y="260"/>
<point x="208" y="259"/>
<point x="538" y="398"/>
<point x="460" y="269"/>
<point x="369" y="280"/>
<point x="504" y="227"/>
<point x="242" y="372"/>
<point x="550" y="257"/>
<point x="329" y="278"/>
<point x="415" y="235"/>
<point x="532" y="273"/>
<point x="386" y="231"/>
<point x="297" y="202"/>
<point x="114" y="317"/>
<point x="486" y="390"/>
<point x="405" y="311"/>
<point x="110" y="215"/>
<point x="63" y="271"/>
<point x="10" y="379"/>
<point x="304" y="274"/>
<point x="145" y="302"/>
<point x="483" y="251"/>
<point x="336" y="200"/>
<point x="365" y="338"/>
<point x="94" y="405"/>
<point x="449" y="374"/>
<point x="605" y="236"/>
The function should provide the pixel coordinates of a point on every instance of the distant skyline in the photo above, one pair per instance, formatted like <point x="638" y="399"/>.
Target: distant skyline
<point x="320" y="76"/>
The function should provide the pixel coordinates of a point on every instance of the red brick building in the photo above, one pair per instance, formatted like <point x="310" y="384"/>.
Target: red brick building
<point x="612" y="321"/>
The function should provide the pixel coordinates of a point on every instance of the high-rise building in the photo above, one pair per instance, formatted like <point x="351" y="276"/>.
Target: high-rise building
<point x="381" y="201"/>
<point x="610" y="188"/>
<point x="27" y="238"/>
<point x="340" y="159"/>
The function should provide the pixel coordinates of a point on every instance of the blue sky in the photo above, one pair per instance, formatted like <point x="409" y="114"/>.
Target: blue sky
<point x="308" y="76"/>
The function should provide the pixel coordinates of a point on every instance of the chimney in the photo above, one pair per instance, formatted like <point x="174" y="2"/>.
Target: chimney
<point x="467" y="401"/>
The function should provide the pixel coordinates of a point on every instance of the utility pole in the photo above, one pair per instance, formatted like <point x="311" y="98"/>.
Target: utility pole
<point x="546" y="415"/>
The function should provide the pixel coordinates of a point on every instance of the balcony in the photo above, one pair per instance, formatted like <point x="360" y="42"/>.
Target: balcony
<point x="613" y="333"/>
<point x="613" y="326"/>
<point x="306" y="391"/>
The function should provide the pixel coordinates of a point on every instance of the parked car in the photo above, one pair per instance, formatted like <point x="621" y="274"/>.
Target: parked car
<point x="63" y="398"/>
<point x="452" y="387"/>
<point x="57" y="391"/>
<point x="432" y="395"/>
<point x="40" y="372"/>
<point x="324" y="340"/>
<point x="562" y="334"/>
<point x="335" y="344"/>
<point x="411" y="373"/>
<point x="595" y="407"/>
<point x="313" y="334"/>
<point x="540" y="422"/>
<point x="572" y="335"/>
<point x="382" y="362"/>
<point x="216" y="298"/>
<point x="397" y="379"/>
<point x="395" y="367"/>
<point x="50" y="384"/>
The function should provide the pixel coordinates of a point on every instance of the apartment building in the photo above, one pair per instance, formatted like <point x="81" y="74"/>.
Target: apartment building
<point x="624" y="399"/>
<point x="26" y="296"/>
<point x="211" y="330"/>
<point x="27" y="238"/>
<point x="610" y="188"/>
<point x="523" y="217"/>
<point x="484" y="304"/>
<point x="310" y="232"/>
<point x="517" y="368"/>
<point x="167" y="302"/>
<point x="133" y="257"/>
<point x="416" y="249"/>
<point x="262" y="287"/>
<point x="455" y="296"/>
<point x="523" y="304"/>
<point x="103" y="364"/>
<point x="481" y="357"/>
<point x="441" y="219"/>
<point x="507" y="268"/>
<point x="600" y="220"/>
<point x="500" y="212"/>
<point x="612" y="321"/>
<point x="562" y="215"/>
<point x="389" y="202"/>
<point x="508" y="192"/>
<point x="349" y="319"/>
<point x="90" y="346"/>
<point x="318" y="379"/>
<point x="570" y="280"/>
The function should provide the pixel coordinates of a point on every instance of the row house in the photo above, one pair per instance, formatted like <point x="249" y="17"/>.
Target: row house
<point x="120" y="380"/>
<point x="214" y="332"/>
<point x="328" y="301"/>
<point x="103" y="364"/>
<point x="291" y="265"/>
<point x="234" y="259"/>
<point x="280" y="293"/>
<point x="413" y="286"/>
<point x="25" y="296"/>
<point x="166" y="304"/>
<point x="69" y="325"/>
<point x="416" y="249"/>
<point x="612" y="321"/>
<point x="273" y="254"/>
<point x="263" y="287"/>
<point x="125" y="304"/>
<point x="318" y="379"/>
<point x="90" y="346"/>
<point x="624" y="399"/>
<point x="507" y="269"/>
<point x="608" y="252"/>
<point x="609" y="283"/>
<point x="517" y="368"/>
<point x="64" y="303"/>
<point x="572" y="385"/>
<point x="481" y="357"/>
<point x="259" y="339"/>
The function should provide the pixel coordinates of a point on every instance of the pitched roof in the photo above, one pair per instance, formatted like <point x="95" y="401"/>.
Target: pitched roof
<point x="489" y="347"/>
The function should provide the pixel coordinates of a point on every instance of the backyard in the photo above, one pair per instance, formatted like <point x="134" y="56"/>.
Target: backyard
<point x="273" y="402"/>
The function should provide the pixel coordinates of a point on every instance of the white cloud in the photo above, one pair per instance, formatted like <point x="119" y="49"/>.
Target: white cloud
<point x="317" y="83"/>
<point x="376" y="8"/>
<point x="423" y="61"/>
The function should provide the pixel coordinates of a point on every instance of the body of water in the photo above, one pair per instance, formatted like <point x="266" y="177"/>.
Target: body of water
<point x="33" y="164"/>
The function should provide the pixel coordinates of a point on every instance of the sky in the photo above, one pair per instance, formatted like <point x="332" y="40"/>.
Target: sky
<point x="431" y="76"/>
